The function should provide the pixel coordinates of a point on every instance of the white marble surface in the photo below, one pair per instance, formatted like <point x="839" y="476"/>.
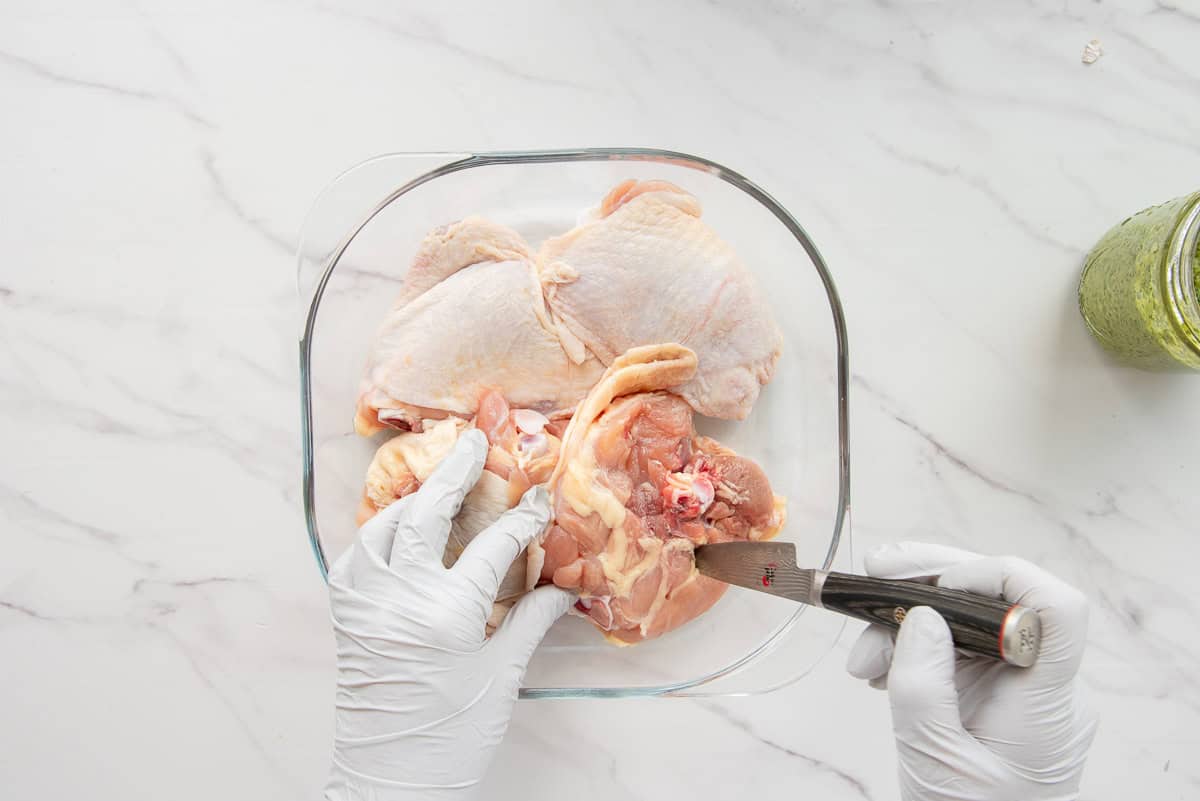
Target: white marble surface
<point x="162" y="625"/>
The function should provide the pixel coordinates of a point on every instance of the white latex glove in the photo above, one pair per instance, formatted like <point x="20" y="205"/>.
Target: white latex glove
<point x="974" y="729"/>
<point x="423" y="698"/>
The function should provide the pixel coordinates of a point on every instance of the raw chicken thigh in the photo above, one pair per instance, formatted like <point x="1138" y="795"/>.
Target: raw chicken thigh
<point x="479" y="310"/>
<point x="635" y="490"/>
<point x="648" y="270"/>
<point x="471" y="317"/>
<point x="524" y="449"/>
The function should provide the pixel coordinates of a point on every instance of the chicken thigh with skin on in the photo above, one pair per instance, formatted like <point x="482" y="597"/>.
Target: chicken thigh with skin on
<point x="471" y="317"/>
<point x="648" y="270"/>
<point x="480" y="310"/>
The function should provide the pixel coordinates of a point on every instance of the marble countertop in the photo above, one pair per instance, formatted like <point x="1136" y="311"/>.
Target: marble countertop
<point x="164" y="629"/>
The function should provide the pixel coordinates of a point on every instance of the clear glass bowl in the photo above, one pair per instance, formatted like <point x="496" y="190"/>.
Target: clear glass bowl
<point x="355" y="248"/>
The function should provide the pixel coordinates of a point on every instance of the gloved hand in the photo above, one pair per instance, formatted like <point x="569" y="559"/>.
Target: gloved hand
<point x="969" y="728"/>
<point x="423" y="698"/>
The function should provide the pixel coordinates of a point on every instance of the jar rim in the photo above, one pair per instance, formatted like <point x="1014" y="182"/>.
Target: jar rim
<point x="1180" y="274"/>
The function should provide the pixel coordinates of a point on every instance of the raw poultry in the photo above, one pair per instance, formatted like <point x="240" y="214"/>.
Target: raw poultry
<point x="480" y="310"/>
<point x="488" y="333"/>
<point x="635" y="491"/>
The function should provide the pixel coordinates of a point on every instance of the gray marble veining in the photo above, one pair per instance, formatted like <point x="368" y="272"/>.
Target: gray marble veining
<point x="164" y="629"/>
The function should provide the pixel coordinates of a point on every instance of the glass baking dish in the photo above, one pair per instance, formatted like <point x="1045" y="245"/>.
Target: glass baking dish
<point x="354" y="251"/>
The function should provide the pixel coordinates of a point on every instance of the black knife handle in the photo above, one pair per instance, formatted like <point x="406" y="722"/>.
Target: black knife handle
<point x="980" y="625"/>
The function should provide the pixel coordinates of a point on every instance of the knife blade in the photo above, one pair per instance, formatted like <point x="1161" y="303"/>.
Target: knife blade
<point x="979" y="625"/>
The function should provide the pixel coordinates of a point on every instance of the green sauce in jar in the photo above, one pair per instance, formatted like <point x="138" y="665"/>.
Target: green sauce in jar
<point x="1138" y="292"/>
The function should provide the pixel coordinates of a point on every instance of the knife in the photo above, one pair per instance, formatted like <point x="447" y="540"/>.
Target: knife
<point x="978" y="624"/>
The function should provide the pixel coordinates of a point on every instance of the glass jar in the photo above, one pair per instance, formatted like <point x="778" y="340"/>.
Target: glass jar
<point x="1138" y="291"/>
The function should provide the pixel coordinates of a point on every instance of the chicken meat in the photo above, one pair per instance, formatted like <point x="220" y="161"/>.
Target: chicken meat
<point x="479" y="309"/>
<point x="647" y="242"/>
<point x="523" y="451"/>
<point x="471" y="317"/>
<point x="635" y="489"/>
